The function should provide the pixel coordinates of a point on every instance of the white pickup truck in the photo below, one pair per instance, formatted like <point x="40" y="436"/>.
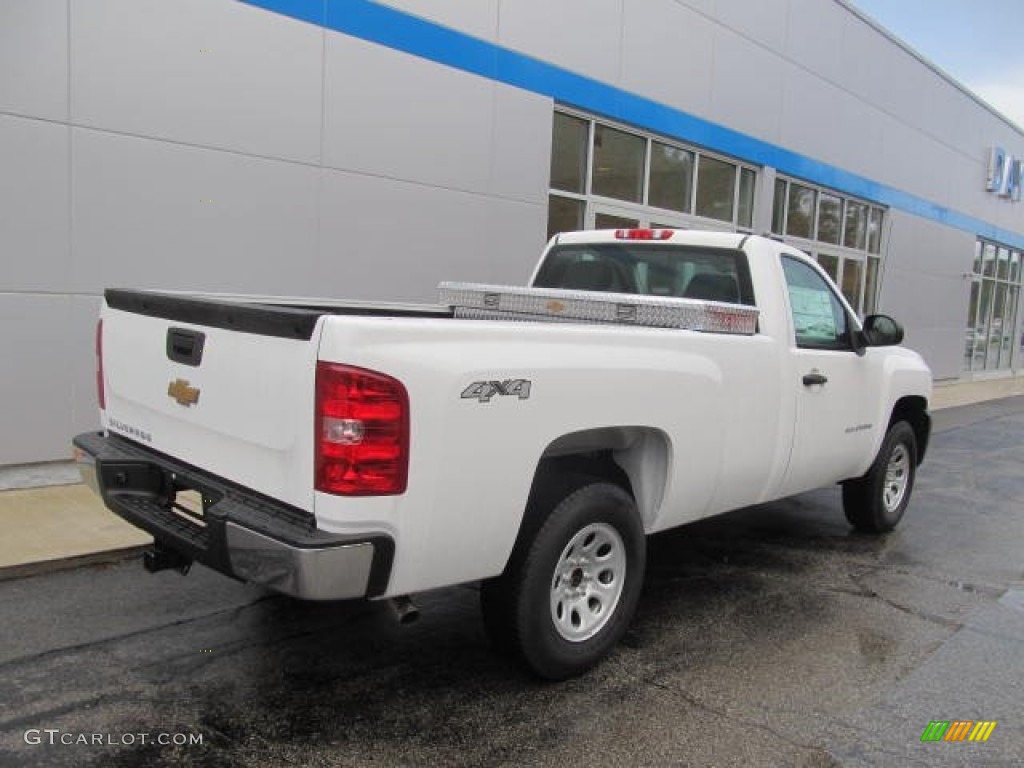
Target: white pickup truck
<point x="528" y="438"/>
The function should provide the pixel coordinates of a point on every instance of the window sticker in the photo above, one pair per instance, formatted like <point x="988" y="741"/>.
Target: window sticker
<point x="812" y="315"/>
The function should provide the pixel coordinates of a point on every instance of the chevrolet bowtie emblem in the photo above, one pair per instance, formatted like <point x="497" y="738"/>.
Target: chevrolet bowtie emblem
<point x="182" y="393"/>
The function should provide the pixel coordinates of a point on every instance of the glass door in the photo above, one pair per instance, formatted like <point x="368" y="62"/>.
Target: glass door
<point x="993" y="312"/>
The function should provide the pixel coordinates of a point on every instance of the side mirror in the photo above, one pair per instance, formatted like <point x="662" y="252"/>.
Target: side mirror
<point x="882" y="331"/>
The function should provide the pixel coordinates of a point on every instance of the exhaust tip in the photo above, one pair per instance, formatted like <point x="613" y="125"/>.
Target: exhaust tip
<point x="405" y="610"/>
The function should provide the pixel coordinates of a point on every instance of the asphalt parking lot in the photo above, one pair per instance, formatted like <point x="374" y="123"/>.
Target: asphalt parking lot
<point x="773" y="636"/>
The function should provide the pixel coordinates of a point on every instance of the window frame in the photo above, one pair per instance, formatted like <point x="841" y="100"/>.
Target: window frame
<point x="643" y="210"/>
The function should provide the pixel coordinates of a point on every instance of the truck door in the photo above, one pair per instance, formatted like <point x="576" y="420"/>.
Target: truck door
<point x="835" y="387"/>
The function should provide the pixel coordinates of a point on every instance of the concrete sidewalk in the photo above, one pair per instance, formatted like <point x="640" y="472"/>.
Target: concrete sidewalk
<point x="60" y="526"/>
<point x="50" y="520"/>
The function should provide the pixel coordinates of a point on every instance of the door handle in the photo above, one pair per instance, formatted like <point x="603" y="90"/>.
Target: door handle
<point x="810" y="379"/>
<point x="184" y="346"/>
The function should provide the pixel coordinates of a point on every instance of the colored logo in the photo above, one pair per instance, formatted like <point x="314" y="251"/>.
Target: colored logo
<point x="958" y="730"/>
<point x="182" y="393"/>
<point x="1005" y="174"/>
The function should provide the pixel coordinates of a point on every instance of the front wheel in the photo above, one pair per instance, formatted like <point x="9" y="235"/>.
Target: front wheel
<point x="875" y="503"/>
<point x="568" y="594"/>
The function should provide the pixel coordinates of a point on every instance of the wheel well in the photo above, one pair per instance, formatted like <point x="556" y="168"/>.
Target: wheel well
<point x="914" y="411"/>
<point x="634" y="458"/>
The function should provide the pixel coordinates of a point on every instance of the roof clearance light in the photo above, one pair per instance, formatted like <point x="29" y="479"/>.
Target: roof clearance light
<point x="643" y="234"/>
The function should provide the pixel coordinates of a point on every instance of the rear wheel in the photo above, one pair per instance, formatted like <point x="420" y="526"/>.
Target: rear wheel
<point x="570" y="591"/>
<point x="875" y="503"/>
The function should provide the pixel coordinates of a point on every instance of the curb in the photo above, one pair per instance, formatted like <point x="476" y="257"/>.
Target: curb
<point x="42" y="567"/>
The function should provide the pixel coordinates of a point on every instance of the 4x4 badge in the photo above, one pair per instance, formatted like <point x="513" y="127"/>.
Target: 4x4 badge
<point x="483" y="391"/>
<point x="182" y="393"/>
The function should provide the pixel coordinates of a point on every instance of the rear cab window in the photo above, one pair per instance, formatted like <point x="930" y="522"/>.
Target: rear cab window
<point x="711" y="274"/>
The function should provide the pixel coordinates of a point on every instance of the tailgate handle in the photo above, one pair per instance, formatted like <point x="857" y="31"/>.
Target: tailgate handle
<point x="185" y="346"/>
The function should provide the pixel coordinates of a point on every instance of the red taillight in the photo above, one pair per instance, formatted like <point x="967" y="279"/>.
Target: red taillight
<point x="101" y="395"/>
<point x="643" y="234"/>
<point x="362" y="432"/>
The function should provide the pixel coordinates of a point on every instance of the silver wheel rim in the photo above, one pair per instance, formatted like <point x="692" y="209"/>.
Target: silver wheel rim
<point x="897" y="477"/>
<point x="588" y="582"/>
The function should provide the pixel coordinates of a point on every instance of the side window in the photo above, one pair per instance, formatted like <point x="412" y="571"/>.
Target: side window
<point x="818" y="316"/>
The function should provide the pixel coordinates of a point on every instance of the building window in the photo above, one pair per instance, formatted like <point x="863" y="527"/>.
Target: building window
<point x="618" y="164"/>
<point x="564" y="214"/>
<point x="745" y="212"/>
<point x="842" y="233"/>
<point x="671" y="179"/>
<point x="779" y="207"/>
<point x="993" y="309"/>
<point x="716" y="188"/>
<point x="605" y="175"/>
<point x="829" y="224"/>
<point x="570" y="139"/>
<point x="855" y="228"/>
<point x="800" y="211"/>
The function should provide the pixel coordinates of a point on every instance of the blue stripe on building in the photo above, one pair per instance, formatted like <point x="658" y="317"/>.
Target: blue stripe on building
<point x="409" y="34"/>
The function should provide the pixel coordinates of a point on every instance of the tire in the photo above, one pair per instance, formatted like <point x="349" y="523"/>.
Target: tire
<point x="875" y="503"/>
<point x="571" y="588"/>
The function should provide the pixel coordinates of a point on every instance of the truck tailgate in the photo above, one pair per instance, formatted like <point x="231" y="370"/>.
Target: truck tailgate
<point x="226" y="386"/>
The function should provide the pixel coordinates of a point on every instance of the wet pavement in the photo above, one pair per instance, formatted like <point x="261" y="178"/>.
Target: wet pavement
<point x="773" y="636"/>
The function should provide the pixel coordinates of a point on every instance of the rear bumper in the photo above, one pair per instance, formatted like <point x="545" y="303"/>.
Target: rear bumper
<point x="240" y="533"/>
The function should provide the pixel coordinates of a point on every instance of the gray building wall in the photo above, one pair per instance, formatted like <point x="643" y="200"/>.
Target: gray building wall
<point x="927" y="287"/>
<point x="214" y="145"/>
<point x="811" y="76"/>
<point x="211" y="145"/>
